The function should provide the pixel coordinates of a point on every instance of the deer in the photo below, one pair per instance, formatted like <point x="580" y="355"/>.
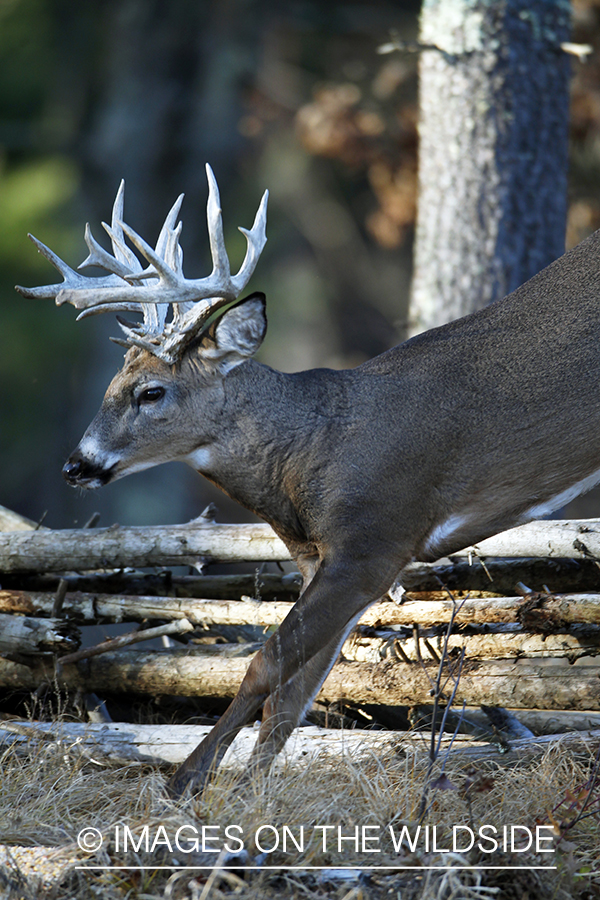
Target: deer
<point x="436" y="444"/>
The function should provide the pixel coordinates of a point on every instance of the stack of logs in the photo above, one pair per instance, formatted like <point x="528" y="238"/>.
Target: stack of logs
<point x="525" y="604"/>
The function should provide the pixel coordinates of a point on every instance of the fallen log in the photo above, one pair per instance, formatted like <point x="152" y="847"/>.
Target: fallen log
<point x="539" y="721"/>
<point x="116" y="547"/>
<point x="24" y="636"/>
<point x="511" y="645"/>
<point x="570" y="538"/>
<point x="12" y="521"/>
<point x="547" y="721"/>
<point x="191" y="673"/>
<point x="264" y="586"/>
<point x="172" y="744"/>
<point x="92" y="608"/>
<point x="546" y="613"/>
<point x="197" y="542"/>
<point x="499" y="576"/>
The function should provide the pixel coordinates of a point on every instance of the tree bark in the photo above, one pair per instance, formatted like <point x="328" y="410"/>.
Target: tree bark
<point x="498" y="577"/>
<point x="544" y="614"/>
<point x="23" y="636"/>
<point x="194" y="674"/>
<point x="192" y="544"/>
<point x="172" y="744"/>
<point x="116" y="547"/>
<point x="494" y="101"/>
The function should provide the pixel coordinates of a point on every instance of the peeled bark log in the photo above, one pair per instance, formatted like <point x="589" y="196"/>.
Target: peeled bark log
<point x="172" y="744"/>
<point x="23" y="635"/>
<point x="550" y="614"/>
<point x="116" y="547"/>
<point x="92" y="608"/>
<point x="569" y="538"/>
<point x="192" y="673"/>
<point x="12" y="521"/>
<point x="480" y="646"/>
<point x="511" y="684"/>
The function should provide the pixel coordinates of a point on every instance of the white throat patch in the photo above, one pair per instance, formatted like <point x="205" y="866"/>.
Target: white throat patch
<point x="199" y="459"/>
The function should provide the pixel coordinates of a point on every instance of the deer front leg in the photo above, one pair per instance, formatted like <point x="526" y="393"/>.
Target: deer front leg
<point x="285" y="707"/>
<point x="313" y="630"/>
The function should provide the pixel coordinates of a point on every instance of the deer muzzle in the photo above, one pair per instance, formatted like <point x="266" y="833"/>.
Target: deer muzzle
<point x="81" y="472"/>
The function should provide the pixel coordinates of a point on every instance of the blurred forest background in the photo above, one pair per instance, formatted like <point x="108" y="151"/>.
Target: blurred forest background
<point x="293" y="97"/>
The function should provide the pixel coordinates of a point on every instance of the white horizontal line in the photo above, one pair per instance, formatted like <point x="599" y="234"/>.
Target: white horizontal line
<point x="235" y="868"/>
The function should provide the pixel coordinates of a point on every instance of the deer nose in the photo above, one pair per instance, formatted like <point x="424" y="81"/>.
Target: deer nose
<point x="72" y="470"/>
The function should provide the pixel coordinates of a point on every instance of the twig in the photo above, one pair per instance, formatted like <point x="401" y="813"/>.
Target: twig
<point x="132" y="637"/>
<point x="59" y="598"/>
<point x="435" y="743"/>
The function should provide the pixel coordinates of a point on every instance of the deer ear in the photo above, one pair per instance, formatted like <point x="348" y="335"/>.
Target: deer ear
<point x="241" y="330"/>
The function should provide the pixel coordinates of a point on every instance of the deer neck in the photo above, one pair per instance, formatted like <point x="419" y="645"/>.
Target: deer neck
<point x="258" y="454"/>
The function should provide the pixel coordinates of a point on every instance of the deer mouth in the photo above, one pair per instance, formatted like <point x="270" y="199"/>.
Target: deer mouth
<point x="79" y="472"/>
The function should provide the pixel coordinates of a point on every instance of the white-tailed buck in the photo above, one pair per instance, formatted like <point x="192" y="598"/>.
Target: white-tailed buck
<point x="455" y="435"/>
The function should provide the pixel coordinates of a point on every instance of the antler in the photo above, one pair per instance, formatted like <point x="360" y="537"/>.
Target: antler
<point x="150" y="291"/>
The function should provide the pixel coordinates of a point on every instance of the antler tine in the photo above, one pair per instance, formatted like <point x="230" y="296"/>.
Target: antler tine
<point x="71" y="278"/>
<point x="167" y="247"/>
<point x="119" y="204"/>
<point x="256" y="238"/>
<point x="131" y="306"/>
<point x="174" y="256"/>
<point x="122" y="251"/>
<point x="98" y="256"/>
<point x="174" y="253"/>
<point x="215" y="228"/>
<point x="120" y="248"/>
<point x="170" y="227"/>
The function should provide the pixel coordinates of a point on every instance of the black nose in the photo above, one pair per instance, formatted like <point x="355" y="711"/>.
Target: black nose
<point x="85" y="473"/>
<point x="72" y="470"/>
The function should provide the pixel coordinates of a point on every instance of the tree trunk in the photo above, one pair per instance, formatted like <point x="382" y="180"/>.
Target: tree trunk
<point x="494" y="97"/>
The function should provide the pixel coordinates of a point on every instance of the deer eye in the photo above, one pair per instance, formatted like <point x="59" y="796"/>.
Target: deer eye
<point x="151" y="395"/>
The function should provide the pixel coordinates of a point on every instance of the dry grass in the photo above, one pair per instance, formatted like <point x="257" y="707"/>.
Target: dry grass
<point x="51" y="794"/>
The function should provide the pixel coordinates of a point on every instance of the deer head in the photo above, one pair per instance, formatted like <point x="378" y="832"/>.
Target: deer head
<point x="170" y="361"/>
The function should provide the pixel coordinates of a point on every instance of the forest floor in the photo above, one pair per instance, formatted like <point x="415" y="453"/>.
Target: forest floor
<point x="338" y="828"/>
